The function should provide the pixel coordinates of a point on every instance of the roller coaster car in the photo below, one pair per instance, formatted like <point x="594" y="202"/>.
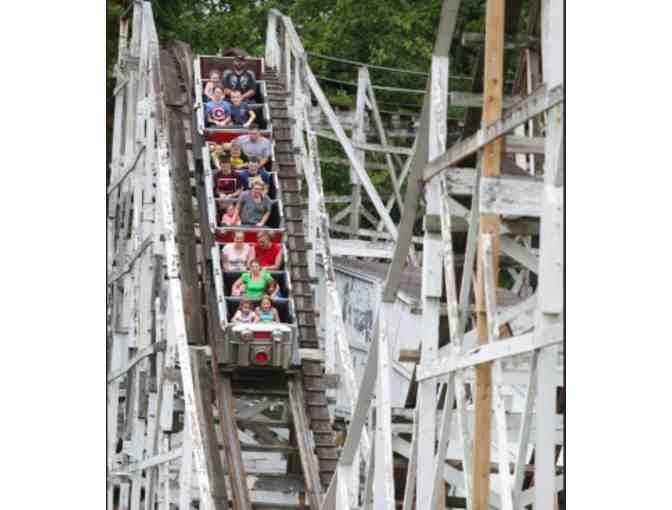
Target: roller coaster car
<point x="269" y="346"/>
<point x="203" y="64"/>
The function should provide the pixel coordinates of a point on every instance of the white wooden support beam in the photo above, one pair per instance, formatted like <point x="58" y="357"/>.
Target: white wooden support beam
<point x="516" y="196"/>
<point x="349" y="150"/>
<point x="139" y="356"/>
<point x="343" y="354"/>
<point x="383" y="476"/>
<point x="444" y="435"/>
<point x="356" y="430"/>
<point x="186" y="467"/>
<point x="358" y="137"/>
<point x="383" y="140"/>
<point x="411" y="469"/>
<point x="472" y="100"/>
<point x="551" y="264"/>
<point x="485" y="353"/>
<point x="490" y="284"/>
<point x="465" y="437"/>
<point x="415" y="164"/>
<point x="364" y="146"/>
<point x="133" y="163"/>
<point x="178" y="330"/>
<point x="524" y="431"/>
<point x="519" y="253"/>
<point x="367" y="501"/>
<point x="357" y="248"/>
<point x="540" y="101"/>
<point x="431" y="283"/>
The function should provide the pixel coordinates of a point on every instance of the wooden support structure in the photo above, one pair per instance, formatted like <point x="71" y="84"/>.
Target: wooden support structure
<point x="482" y="351"/>
<point x="489" y="224"/>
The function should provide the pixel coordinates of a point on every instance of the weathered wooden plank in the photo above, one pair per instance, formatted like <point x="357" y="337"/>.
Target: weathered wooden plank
<point x="506" y="486"/>
<point x="486" y="353"/>
<point x="383" y="483"/>
<point x="369" y="147"/>
<point x="139" y="356"/>
<point x="358" y="137"/>
<point x="383" y="140"/>
<point x="347" y="146"/>
<point x="516" y="196"/>
<point x="357" y="248"/>
<point x="302" y="430"/>
<point x="311" y="355"/>
<point x="232" y="449"/>
<point x="541" y="100"/>
<point x="473" y="100"/>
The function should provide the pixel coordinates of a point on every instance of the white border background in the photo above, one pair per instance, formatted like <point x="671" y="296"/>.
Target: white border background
<point x="52" y="260"/>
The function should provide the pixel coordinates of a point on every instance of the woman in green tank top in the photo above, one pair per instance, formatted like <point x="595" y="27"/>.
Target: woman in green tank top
<point x="253" y="283"/>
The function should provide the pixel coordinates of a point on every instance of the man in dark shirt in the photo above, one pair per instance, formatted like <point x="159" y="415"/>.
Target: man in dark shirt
<point x="254" y="173"/>
<point x="240" y="79"/>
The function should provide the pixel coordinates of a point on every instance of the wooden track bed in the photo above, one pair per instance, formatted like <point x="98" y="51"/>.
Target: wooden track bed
<point x="223" y="385"/>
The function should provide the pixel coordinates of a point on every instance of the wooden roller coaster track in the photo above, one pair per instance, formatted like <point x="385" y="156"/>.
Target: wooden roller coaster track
<point x="186" y="430"/>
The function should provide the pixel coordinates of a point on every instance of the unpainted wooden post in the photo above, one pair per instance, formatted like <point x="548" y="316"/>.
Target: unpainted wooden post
<point x="489" y="224"/>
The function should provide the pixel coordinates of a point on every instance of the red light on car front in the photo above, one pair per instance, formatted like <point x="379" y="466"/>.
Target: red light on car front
<point x="261" y="357"/>
<point x="262" y="334"/>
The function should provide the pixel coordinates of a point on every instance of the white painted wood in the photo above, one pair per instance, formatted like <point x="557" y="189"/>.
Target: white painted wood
<point x="272" y="47"/>
<point x="367" y="501"/>
<point x="514" y="422"/>
<point x="484" y="353"/>
<point x="358" y="137"/>
<point x="444" y="436"/>
<point x="540" y="101"/>
<point x="344" y="356"/>
<point x="465" y="436"/>
<point x="383" y="477"/>
<point x="356" y="429"/>
<point x="357" y="248"/>
<point x="341" y="480"/>
<point x="525" y="431"/>
<point x="519" y="253"/>
<point x="187" y="464"/>
<point x="550" y="290"/>
<point x="349" y="150"/>
<point x="472" y="100"/>
<point x="411" y="469"/>
<point x="514" y="196"/>
<point x="363" y="146"/>
<point x="383" y="140"/>
<point x="524" y="144"/>
<point x="174" y="284"/>
<point x="490" y="283"/>
<point x="470" y="250"/>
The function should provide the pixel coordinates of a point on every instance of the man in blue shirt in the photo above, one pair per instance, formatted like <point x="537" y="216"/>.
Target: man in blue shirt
<point x="254" y="173"/>
<point x="218" y="111"/>
<point x="241" y="115"/>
